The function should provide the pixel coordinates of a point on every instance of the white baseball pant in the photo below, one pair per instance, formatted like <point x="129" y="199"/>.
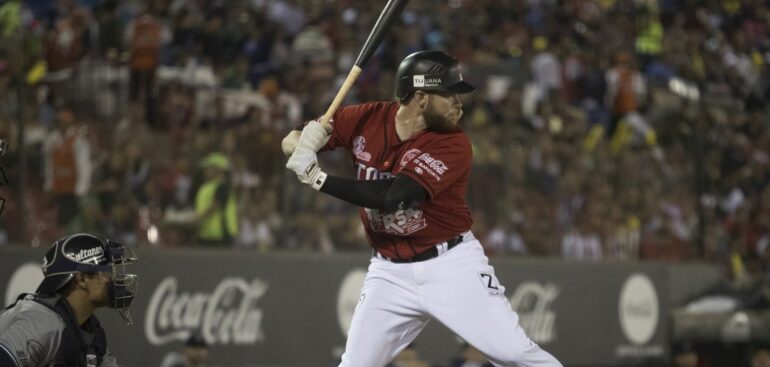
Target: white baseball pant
<point x="459" y="289"/>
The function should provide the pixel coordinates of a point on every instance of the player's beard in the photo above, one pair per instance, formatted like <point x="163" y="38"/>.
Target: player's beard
<point x="438" y="122"/>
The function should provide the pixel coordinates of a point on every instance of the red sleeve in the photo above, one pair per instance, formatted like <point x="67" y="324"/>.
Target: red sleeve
<point x="437" y="163"/>
<point x="349" y="120"/>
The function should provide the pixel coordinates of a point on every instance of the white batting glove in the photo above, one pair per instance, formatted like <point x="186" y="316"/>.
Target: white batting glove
<point x="315" y="135"/>
<point x="289" y="143"/>
<point x="305" y="164"/>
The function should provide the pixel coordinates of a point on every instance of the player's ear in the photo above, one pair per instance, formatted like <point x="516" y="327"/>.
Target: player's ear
<point x="421" y="98"/>
<point x="80" y="280"/>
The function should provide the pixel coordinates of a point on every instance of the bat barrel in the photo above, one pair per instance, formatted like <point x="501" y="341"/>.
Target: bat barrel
<point x="389" y="14"/>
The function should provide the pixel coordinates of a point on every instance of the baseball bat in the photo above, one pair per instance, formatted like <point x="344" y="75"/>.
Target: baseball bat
<point x="389" y="14"/>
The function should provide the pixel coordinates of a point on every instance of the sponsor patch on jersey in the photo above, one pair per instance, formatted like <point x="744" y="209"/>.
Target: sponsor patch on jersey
<point x="359" y="144"/>
<point x="408" y="156"/>
<point x="424" y="163"/>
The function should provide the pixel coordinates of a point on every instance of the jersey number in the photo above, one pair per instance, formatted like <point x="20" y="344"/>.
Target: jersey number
<point x="488" y="279"/>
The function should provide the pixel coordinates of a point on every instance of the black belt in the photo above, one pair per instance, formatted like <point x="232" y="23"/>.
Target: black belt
<point x="427" y="255"/>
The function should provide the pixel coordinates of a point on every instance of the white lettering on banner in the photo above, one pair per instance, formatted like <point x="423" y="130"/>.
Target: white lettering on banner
<point x="228" y="315"/>
<point x="638" y="311"/>
<point x="639" y="351"/>
<point x="532" y="301"/>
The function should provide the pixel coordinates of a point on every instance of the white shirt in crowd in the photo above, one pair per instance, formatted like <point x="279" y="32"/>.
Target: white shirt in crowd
<point x="581" y="246"/>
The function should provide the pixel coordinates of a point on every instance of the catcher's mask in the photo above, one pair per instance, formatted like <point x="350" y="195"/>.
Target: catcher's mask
<point x="88" y="253"/>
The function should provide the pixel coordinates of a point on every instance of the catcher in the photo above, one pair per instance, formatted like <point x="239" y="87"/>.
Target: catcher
<point x="56" y="325"/>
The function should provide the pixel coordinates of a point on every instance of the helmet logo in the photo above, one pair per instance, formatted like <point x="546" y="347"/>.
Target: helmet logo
<point x="418" y="81"/>
<point x="88" y="255"/>
<point x="426" y="81"/>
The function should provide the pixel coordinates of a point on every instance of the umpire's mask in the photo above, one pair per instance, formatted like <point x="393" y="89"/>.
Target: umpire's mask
<point x="87" y="253"/>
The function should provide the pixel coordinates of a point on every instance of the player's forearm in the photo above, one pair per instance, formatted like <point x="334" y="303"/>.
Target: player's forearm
<point x="389" y="195"/>
<point x="367" y="194"/>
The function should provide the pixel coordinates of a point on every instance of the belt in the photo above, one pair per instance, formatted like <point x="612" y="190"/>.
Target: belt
<point x="432" y="252"/>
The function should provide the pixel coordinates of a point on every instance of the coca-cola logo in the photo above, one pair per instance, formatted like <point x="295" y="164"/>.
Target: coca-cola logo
<point x="227" y="315"/>
<point x="533" y="302"/>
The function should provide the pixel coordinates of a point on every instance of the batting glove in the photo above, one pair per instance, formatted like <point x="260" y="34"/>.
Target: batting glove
<point x="305" y="164"/>
<point x="315" y="135"/>
<point x="290" y="142"/>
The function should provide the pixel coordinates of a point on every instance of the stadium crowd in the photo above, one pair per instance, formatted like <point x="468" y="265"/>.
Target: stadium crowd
<point x="602" y="129"/>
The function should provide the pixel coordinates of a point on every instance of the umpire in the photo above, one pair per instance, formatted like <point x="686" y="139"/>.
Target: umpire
<point x="56" y="325"/>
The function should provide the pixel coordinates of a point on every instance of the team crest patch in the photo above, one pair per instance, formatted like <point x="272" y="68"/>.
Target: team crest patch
<point x="359" y="144"/>
<point x="408" y="156"/>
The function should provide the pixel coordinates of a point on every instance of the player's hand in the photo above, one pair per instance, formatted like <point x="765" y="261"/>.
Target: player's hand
<point x="305" y="164"/>
<point x="289" y="143"/>
<point x="315" y="135"/>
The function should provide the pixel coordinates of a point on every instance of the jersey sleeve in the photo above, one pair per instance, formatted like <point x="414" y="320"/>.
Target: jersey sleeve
<point x="343" y="124"/>
<point x="31" y="337"/>
<point x="347" y="121"/>
<point x="437" y="164"/>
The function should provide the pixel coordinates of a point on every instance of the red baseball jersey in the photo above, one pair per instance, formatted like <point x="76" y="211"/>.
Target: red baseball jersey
<point x="440" y="162"/>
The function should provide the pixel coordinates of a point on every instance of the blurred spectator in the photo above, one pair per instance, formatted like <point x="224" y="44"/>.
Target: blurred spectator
<point x="195" y="353"/>
<point x="68" y="164"/>
<point x="626" y="89"/>
<point x="649" y="39"/>
<point x="215" y="203"/>
<point x="582" y="242"/>
<point x="145" y="35"/>
<point x="65" y="41"/>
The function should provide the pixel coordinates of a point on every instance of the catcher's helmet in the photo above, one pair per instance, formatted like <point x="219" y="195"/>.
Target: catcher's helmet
<point x="429" y="70"/>
<point x="84" y="252"/>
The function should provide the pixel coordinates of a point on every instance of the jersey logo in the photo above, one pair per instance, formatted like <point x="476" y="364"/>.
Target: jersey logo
<point x="365" y="173"/>
<point x="359" y="144"/>
<point x="408" y="156"/>
<point x="424" y="163"/>
<point x="402" y="222"/>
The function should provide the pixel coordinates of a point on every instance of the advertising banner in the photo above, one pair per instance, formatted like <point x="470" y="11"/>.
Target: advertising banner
<point x="292" y="309"/>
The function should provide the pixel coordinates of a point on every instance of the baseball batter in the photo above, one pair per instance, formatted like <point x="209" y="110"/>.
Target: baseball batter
<point x="56" y="326"/>
<point x="412" y="164"/>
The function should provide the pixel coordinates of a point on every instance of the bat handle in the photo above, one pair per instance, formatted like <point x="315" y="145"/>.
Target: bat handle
<point x="349" y="81"/>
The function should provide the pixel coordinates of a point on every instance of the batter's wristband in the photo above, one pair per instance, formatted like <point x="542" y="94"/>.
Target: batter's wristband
<point x="320" y="178"/>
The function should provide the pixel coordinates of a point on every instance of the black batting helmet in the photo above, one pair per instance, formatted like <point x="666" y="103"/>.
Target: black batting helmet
<point x="429" y="70"/>
<point x="84" y="253"/>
